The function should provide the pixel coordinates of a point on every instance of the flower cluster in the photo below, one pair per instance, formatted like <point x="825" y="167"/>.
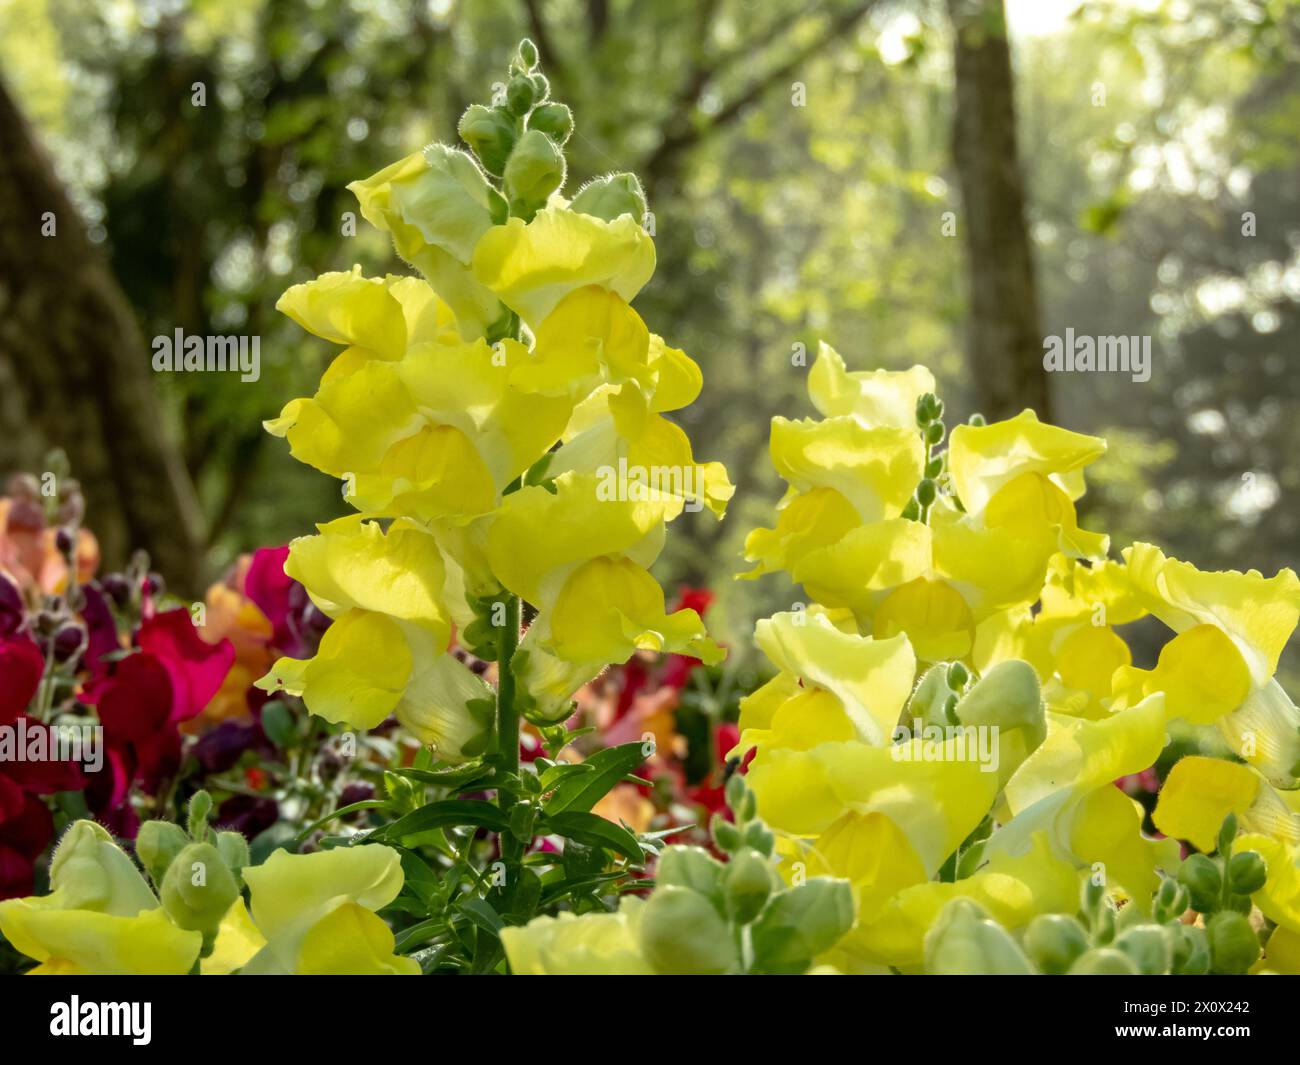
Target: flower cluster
<point x="949" y="717"/>
<point x="473" y="416"/>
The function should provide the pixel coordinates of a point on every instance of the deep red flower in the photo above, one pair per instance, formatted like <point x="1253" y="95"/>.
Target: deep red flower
<point x="196" y="668"/>
<point x="270" y="588"/>
<point x="21" y="666"/>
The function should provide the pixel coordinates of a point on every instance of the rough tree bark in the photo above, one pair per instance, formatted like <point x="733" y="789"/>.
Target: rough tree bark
<point x="1004" y="336"/>
<point x="75" y="372"/>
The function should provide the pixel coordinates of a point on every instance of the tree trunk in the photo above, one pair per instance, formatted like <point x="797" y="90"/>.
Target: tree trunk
<point x="1004" y="337"/>
<point x="75" y="371"/>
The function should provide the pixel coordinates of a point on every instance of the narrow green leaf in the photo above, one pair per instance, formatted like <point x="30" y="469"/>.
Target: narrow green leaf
<point x="607" y="768"/>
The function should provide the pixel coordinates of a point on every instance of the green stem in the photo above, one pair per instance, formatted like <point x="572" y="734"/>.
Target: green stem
<point x="507" y="708"/>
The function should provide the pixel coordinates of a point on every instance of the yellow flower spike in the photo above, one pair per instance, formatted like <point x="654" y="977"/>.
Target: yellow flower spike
<point x="991" y="568"/>
<point x="871" y="679"/>
<point x="982" y="459"/>
<point x="874" y="397"/>
<point x="437" y="205"/>
<point x="316" y="912"/>
<point x="532" y="266"/>
<point x="100" y="918"/>
<point x="1200" y="792"/>
<point x="875" y="469"/>
<point x="595" y="944"/>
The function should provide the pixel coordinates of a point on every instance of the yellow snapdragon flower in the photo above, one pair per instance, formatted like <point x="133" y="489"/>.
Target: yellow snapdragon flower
<point x="384" y="653"/>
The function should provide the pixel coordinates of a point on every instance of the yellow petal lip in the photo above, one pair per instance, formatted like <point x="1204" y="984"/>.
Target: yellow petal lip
<point x="874" y="397"/>
<point x="532" y="266"/>
<point x="984" y="458"/>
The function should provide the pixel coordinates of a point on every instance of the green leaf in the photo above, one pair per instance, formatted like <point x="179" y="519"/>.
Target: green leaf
<point x="481" y="913"/>
<point x="342" y="811"/>
<point x="448" y="778"/>
<point x="604" y="770"/>
<point x="801" y="923"/>
<point x="592" y="830"/>
<point x="446" y="813"/>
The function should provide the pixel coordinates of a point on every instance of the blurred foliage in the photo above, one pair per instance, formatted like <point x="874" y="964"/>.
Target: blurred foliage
<point x="796" y="157"/>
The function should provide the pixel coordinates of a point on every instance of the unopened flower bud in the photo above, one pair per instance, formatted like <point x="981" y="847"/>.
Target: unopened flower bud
<point x="1246" y="872"/>
<point x="490" y="132"/>
<point x="1055" y="941"/>
<point x="747" y="885"/>
<point x="1234" y="946"/>
<point x="198" y="888"/>
<point x="555" y="120"/>
<point x="519" y="94"/>
<point x="611" y="196"/>
<point x="682" y="934"/>
<point x="1201" y="877"/>
<point x="534" y="170"/>
<point x="1150" y="946"/>
<point x="156" y="844"/>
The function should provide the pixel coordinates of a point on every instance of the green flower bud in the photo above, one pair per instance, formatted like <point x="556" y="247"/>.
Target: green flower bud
<point x="234" y="850"/>
<point x="1227" y="833"/>
<point x="527" y="54"/>
<point x="683" y="934"/>
<point x="934" y="467"/>
<point x="1172" y="900"/>
<point x="934" y="432"/>
<point x="1191" y="950"/>
<point x="156" y="844"/>
<point x="1150" y="946"/>
<point x="1247" y="872"/>
<point x="534" y="170"/>
<point x="976" y="419"/>
<point x="555" y="120"/>
<point x="198" y="889"/>
<point x="1103" y="924"/>
<point x="1104" y="961"/>
<point x="760" y="838"/>
<point x="519" y="94"/>
<point x="912" y="511"/>
<point x="691" y="867"/>
<point x="611" y="196"/>
<point x="963" y="941"/>
<point x="200" y="809"/>
<point x="1055" y="941"/>
<point x="541" y="87"/>
<point x="926" y="491"/>
<point x="490" y="132"/>
<point x="725" y="834"/>
<point x="735" y="792"/>
<point x="1200" y="875"/>
<point x="747" y="885"/>
<point x="926" y="408"/>
<point x="1234" y="946"/>
<point x="958" y="676"/>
